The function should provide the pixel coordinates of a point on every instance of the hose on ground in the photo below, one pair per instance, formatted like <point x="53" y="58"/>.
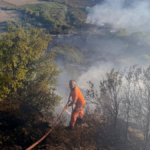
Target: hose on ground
<point x="36" y="143"/>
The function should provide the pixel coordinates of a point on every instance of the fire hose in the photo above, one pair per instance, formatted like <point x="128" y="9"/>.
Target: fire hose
<point x="36" y="143"/>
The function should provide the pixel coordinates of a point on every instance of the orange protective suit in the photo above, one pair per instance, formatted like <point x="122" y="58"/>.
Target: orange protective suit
<point x="78" y="110"/>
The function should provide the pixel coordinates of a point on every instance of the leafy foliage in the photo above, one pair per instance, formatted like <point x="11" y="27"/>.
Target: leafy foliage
<point x="69" y="54"/>
<point x="56" y="17"/>
<point x="25" y="71"/>
<point x="47" y="12"/>
<point x="16" y="53"/>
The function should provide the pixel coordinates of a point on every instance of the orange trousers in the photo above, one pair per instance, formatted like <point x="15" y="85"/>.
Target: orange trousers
<point x="77" y="111"/>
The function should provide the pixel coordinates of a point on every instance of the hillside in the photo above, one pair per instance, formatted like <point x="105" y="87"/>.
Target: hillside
<point x="56" y="16"/>
<point x="44" y="44"/>
<point x="18" y="131"/>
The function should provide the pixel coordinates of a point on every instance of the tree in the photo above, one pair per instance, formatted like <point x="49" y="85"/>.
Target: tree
<point x="131" y="95"/>
<point x="144" y="103"/>
<point x="26" y="71"/>
<point x="112" y="96"/>
<point x="125" y="95"/>
<point x="108" y="101"/>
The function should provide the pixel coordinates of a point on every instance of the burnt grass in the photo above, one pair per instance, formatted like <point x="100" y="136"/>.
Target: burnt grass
<point x="96" y="133"/>
<point x="21" y="126"/>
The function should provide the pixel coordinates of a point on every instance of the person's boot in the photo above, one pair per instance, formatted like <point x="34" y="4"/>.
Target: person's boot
<point x="80" y="121"/>
<point x="69" y="128"/>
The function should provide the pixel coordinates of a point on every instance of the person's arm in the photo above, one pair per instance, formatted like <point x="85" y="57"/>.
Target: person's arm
<point x="73" y="102"/>
<point x="69" y="99"/>
<point x="74" y="99"/>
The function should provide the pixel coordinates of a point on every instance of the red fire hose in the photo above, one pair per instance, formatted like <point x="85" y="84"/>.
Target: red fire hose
<point x="36" y="143"/>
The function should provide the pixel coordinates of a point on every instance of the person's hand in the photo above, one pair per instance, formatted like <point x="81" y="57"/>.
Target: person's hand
<point x="66" y="106"/>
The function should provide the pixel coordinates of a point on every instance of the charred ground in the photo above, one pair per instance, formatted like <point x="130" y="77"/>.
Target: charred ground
<point x="18" y="131"/>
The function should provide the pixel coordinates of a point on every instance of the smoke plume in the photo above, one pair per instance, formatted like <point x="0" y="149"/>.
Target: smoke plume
<point x="107" y="52"/>
<point x="134" y="17"/>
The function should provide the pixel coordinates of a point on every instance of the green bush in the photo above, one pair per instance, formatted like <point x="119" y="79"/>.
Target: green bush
<point x="26" y="73"/>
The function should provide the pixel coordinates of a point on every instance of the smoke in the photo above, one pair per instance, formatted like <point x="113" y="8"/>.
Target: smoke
<point x="104" y="53"/>
<point x="63" y="91"/>
<point x="134" y="17"/>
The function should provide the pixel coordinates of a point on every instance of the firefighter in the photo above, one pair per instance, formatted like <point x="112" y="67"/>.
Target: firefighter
<point x="79" y="101"/>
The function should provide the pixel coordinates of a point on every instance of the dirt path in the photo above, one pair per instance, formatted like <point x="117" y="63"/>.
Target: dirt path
<point x="5" y="4"/>
<point x="6" y="15"/>
<point x="23" y="2"/>
<point x="9" y="15"/>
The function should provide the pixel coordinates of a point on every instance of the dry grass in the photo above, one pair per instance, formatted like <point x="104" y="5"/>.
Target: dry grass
<point x="96" y="135"/>
<point x="23" y="2"/>
<point x="21" y="126"/>
<point x="9" y="15"/>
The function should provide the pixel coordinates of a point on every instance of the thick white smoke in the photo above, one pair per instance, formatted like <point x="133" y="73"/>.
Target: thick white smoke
<point x="134" y="17"/>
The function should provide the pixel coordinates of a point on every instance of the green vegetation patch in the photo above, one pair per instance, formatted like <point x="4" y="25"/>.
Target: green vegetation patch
<point x="69" y="54"/>
<point x="77" y="17"/>
<point x="25" y="70"/>
<point x="77" y="3"/>
<point x="57" y="18"/>
<point x="52" y="10"/>
<point x="52" y="13"/>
